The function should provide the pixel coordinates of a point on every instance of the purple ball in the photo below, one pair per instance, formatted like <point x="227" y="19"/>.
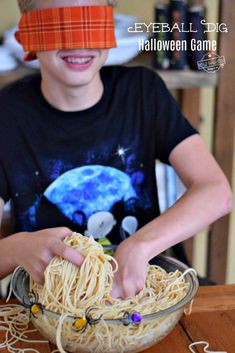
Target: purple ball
<point x="136" y="318"/>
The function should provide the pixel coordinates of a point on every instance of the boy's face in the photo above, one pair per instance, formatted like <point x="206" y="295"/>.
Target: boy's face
<point x="75" y="66"/>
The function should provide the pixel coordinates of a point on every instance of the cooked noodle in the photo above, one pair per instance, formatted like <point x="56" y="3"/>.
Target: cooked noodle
<point x="14" y="321"/>
<point x="70" y="291"/>
<point x="204" y="343"/>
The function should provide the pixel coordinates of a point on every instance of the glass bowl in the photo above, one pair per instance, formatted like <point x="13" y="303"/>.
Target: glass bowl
<point x="107" y="336"/>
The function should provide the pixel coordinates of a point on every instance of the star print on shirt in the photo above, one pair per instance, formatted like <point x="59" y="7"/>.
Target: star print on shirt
<point x="121" y="152"/>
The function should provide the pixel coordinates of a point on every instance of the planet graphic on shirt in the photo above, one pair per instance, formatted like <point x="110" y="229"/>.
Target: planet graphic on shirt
<point x="89" y="189"/>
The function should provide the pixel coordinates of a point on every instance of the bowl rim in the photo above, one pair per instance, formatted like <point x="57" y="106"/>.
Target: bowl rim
<point x="20" y="283"/>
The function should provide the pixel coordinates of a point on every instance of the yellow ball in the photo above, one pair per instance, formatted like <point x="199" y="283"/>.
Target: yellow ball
<point x="104" y="242"/>
<point x="35" y="309"/>
<point x="80" y="323"/>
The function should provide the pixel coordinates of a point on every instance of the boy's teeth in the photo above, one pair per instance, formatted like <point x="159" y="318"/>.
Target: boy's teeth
<point x="78" y="60"/>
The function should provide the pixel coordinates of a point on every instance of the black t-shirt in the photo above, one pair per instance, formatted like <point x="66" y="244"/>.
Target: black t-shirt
<point x="91" y="170"/>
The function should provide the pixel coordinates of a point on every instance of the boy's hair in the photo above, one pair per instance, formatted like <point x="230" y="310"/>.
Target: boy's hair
<point x="30" y="5"/>
<point x="26" y="5"/>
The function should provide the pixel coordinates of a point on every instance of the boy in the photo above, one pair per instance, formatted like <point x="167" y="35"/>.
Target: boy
<point x="78" y="149"/>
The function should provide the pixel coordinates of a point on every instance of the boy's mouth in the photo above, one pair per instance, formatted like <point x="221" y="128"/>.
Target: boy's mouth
<point x="78" y="60"/>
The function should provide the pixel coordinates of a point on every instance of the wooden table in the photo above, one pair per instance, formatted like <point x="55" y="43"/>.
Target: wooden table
<point x="212" y="320"/>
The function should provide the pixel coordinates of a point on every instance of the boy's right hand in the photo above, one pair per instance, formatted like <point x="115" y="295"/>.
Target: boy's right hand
<point x="33" y="251"/>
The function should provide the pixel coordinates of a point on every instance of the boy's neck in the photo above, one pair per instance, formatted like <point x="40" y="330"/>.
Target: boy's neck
<point x="72" y="98"/>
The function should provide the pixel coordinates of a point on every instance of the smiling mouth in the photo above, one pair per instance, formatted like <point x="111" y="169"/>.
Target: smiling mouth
<point x="78" y="60"/>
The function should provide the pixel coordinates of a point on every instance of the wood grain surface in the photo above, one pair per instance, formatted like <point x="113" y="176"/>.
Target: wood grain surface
<point x="212" y="320"/>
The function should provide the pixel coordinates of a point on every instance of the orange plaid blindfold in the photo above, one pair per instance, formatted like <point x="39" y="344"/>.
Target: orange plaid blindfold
<point x="66" y="28"/>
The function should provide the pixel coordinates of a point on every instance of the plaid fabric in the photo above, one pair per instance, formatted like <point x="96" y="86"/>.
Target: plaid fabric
<point x="66" y="28"/>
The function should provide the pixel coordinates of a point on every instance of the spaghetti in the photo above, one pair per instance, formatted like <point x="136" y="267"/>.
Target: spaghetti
<point x="70" y="291"/>
<point x="74" y="309"/>
<point x="204" y="343"/>
<point x="14" y="321"/>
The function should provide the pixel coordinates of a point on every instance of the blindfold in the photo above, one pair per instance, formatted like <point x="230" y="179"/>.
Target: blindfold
<point x="80" y="27"/>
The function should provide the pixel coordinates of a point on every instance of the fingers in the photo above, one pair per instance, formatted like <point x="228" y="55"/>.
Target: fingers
<point x="127" y="285"/>
<point x="116" y="292"/>
<point x="38" y="251"/>
<point x="65" y="251"/>
<point x="61" y="232"/>
<point x="124" y="290"/>
<point x="37" y="274"/>
<point x="38" y="278"/>
<point x="68" y="254"/>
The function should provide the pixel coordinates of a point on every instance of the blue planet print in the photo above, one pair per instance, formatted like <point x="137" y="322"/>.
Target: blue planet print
<point x="89" y="189"/>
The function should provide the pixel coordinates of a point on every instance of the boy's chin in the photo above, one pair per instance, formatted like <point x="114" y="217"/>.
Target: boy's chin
<point x="77" y="79"/>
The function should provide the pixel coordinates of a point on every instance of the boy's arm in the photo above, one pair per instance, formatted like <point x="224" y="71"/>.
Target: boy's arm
<point x="34" y="250"/>
<point x="208" y="197"/>
<point x="1" y="214"/>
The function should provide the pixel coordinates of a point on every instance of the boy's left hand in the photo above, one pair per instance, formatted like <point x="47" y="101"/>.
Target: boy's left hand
<point x="132" y="269"/>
